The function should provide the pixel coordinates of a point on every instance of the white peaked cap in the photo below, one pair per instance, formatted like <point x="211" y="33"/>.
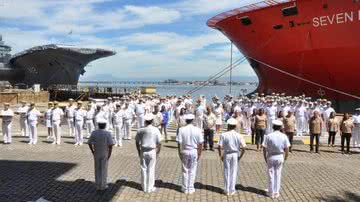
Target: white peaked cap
<point x="232" y="121"/>
<point x="148" y="117"/>
<point x="101" y="120"/>
<point x="277" y="123"/>
<point x="189" y="117"/>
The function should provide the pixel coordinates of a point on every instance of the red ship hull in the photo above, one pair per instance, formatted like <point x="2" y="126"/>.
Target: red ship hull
<point x="315" y="51"/>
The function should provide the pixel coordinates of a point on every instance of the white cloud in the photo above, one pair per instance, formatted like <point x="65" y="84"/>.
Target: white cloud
<point x="198" y="7"/>
<point x="177" y="45"/>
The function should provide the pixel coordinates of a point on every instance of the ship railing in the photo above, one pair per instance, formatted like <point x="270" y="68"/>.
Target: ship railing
<point x="252" y="7"/>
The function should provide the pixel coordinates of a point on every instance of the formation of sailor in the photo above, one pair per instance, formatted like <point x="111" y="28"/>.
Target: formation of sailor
<point x="273" y="120"/>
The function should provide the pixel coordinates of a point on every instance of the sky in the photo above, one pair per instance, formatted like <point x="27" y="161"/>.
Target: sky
<point x="152" y="38"/>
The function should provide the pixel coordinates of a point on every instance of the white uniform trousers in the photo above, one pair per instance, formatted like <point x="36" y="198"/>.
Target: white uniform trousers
<point x="57" y="132"/>
<point x="24" y="127"/>
<point x="6" y="130"/>
<point x="127" y="130"/>
<point x="71" y="125"/>
<point x="300" y="125"/>
<point x="101" y="170"/>
<point x="118" y="133"/>
<point x="274" y="167"/>
<point x="148" y="162"/>
<point x="189" y="166"/>
<point x="230" y="171"/>
<point x="140" y="121"/>
<point x="89" y="127"/>
<point x="79" y="137"/>
<point x="356" y="136"/>
<point x="33" y="133"/>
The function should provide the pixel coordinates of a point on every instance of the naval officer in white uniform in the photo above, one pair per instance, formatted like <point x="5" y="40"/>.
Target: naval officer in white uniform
<point x="276" y="150"/>
<point x="100" y="144"/>
<point x="23" y="121"/>
<point x="190" y="141"/>
<point x="231" y="150"/>
<point x="32" y="118"/>
<point x="56" y="117"/>
<point x="148" y="147"/>
<point x="7" y="116"/>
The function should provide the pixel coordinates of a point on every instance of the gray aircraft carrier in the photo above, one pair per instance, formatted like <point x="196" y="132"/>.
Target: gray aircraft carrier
<point x="47" y="65"/>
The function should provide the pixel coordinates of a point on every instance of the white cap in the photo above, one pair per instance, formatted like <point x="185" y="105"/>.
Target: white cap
<point x="148" y="117"/>
<point x="357" y="109"/>
<point x="232" y="121"/>
<point x="101" y="120"/>
<point x="277" y="123"/>
<point x="189" y="117"/>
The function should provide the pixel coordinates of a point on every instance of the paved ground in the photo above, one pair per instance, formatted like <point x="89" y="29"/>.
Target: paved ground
<point x="65" y="173"/>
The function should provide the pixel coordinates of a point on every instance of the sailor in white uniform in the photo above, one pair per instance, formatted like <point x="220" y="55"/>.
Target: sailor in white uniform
<point x="276" y="150"/>
<point x="101" y="144"/>
<point x="48" y="121"/>
<point x="140" y="113"/>
<point x="7" y="116"/>
<point x="356" y="129"/>
<point x="118" y="122"/>
<point x="190" y="141"/>
<point x="128" y="117"/>
<point x="79" y="116"/>
<point x="69" y="114"/>
<point x="231" y="150"/>
<point x="89" y="120"/>
<point x="23" y="121"/>
<point x="300" y="115"/>
<point x="271" y="114"/>
<point x="56" y="117"/>
<point x="32" y="119"/>
<point x="148" y="146"/>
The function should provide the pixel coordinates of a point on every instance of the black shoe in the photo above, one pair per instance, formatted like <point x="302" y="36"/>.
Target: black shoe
<point x="212" y="149"/>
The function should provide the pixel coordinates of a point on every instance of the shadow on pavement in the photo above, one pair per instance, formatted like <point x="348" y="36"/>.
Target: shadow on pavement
<point x="251" y="190"/>
<point x="31" y="180"/>
<point x="211" y="188"/>
<point x="346" y="197"/>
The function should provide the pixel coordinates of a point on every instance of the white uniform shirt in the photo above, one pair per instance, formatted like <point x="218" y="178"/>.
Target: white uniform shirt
<point x="56" y="114"/>
<point x="190" y="137"/>
<point x="301" y="111"/>
<point x="328" y="111"/>
<point x="101" y="139"/>
<point x="70" y="112"/>
<point x="79" y="115"/>
<point x="275" y="143"/>
<point x="140" y="109"/>
<point x="148" y="137"/>
<point x="231" y="141"/>
<point x="48" y="114"/>
<point x="90" y="115"/>
<point x="356" y="118"/>
<point x="22" y="111"/>
<point x="128" y="114"/>
<point x="271" y="111"/>
<point x="32" y="116"/>
<point x="7" y="115"/>
<point x="118" y="117"/>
